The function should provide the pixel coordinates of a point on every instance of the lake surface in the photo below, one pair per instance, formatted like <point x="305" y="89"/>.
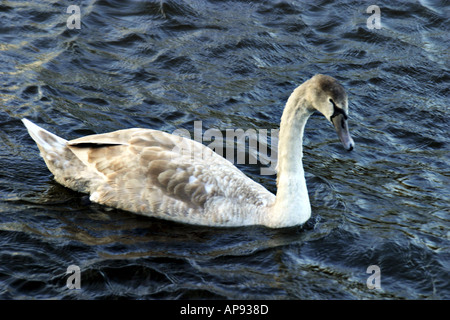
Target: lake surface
<point x="230" y="64"/>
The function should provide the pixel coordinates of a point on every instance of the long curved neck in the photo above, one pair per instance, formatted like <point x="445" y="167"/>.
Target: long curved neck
<point x="292" y="205"/>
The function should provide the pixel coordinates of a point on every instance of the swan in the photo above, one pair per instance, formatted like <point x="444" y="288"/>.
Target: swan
<point x="146" y="172"/>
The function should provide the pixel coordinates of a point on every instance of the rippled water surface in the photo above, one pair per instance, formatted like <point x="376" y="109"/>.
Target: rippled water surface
<point x="230" y="64"/>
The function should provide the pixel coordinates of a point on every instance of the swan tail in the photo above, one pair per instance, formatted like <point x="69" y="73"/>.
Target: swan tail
<point x="45" y="140"/>
<point x="53" y="149"/>
<point x="66" y="167"/>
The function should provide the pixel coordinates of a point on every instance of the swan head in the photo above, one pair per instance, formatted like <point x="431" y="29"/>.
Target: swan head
<point x="326" y="95"/>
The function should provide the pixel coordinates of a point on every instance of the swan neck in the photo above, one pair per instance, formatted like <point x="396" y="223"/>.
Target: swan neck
<point x="292" y="205"/>
<point x="290" y="148"/>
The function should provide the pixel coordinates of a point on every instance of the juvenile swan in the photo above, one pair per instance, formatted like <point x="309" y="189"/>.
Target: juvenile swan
<point x="157" y="174"/>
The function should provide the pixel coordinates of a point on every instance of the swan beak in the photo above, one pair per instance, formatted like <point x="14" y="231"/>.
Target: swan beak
<point x="340" y="123"/>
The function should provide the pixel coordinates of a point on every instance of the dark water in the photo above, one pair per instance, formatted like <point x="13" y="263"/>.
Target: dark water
<point x="230" y="64"/>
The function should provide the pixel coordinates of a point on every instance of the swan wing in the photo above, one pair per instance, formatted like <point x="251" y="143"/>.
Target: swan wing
<point x="158" y="174"/>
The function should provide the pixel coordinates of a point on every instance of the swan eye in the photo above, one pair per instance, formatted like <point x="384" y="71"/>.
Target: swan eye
<point x="337" y="111"/>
